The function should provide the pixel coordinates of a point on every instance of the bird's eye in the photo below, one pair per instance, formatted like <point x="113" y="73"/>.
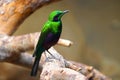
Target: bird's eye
<point x="56" y="18"/>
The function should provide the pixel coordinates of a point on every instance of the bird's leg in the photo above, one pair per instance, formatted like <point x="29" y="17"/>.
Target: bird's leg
<point x="45" y="54"/>
<point x="47" y="58"/>
<point x="50" y="53"/>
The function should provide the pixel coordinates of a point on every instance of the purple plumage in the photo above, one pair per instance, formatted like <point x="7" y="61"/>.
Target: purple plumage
<point x="50" y="40"/>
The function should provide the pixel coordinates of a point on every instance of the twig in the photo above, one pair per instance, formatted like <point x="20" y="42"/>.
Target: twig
<point x="64" y="42"/>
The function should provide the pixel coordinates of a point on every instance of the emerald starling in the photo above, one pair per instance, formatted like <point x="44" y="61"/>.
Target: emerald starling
<point x="49" y="36"/>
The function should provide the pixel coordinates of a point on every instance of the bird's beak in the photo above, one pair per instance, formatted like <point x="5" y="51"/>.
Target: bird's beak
<point x="66" y="11"/>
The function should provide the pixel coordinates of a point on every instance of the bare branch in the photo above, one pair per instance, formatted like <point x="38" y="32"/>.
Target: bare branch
<point x="11" y="46"/>
<point x="12" y="50"/>
<point x="64" y="42"/>
<point x="56" y="67"/>
<point x="14" y="12"/>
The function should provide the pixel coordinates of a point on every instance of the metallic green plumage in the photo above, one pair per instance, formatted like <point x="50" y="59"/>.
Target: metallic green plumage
<point x="49" y="36"/>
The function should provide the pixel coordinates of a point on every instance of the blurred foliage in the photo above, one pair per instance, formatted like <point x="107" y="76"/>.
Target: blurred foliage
<point x="93" y="26"/>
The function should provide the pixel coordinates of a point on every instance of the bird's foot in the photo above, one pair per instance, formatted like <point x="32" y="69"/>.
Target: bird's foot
<point x="50" y="54"/>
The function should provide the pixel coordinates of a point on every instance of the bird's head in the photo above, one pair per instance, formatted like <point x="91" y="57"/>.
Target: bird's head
<point x="56" y="15"/>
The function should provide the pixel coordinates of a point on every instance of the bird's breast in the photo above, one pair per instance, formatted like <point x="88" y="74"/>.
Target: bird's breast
<point x="51" y="40"/>
<point x="54" y="34"/>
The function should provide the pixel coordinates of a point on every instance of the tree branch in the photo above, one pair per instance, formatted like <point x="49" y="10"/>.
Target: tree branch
<point x="53" y="65"/>
<point x="14" y="12"/>
<point x="56" y="67"/>
<point x="9" y="49"/>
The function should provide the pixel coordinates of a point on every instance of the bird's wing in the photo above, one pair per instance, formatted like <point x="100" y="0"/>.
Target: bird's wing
<point x="52" y="36"/>
<point x="39" y="47"/>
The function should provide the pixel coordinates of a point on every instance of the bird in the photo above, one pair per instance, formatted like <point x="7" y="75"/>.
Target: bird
<point x="50" y="34"/>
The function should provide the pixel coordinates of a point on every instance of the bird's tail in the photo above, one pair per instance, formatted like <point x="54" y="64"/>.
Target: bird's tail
<point x="35" y="66"/>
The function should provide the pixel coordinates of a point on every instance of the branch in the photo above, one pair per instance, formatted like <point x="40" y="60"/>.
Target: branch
<point x="9" y="49"/>
<point x="14" y="12"/>
<point x="54" y="67"/>
<point x="57" y="68"/>
<point x="51" y="67"/>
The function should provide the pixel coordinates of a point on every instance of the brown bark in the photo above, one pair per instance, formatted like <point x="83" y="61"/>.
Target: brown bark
<point x="14" y="12"/>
